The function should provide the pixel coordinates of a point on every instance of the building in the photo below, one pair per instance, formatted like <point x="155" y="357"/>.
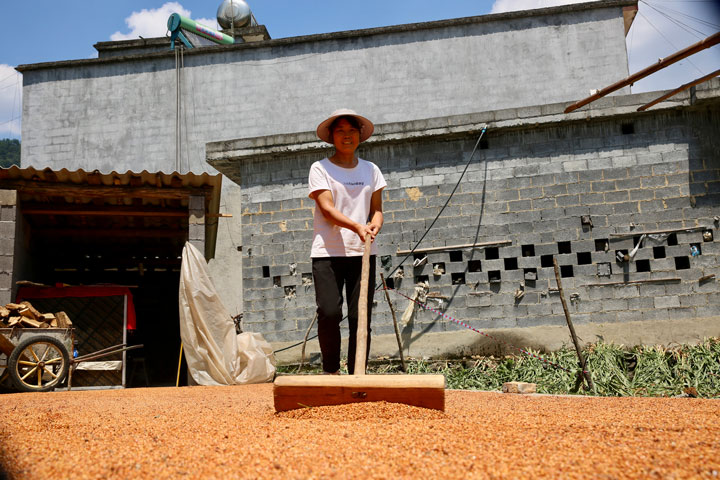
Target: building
<point x="248" y="111"/>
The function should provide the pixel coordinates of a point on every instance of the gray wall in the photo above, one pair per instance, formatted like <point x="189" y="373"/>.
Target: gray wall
<point x="119" y="113"/>
<point x="538" y="175"/>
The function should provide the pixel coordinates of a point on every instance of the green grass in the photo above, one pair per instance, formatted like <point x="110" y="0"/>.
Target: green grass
<point x="652" y="371"/>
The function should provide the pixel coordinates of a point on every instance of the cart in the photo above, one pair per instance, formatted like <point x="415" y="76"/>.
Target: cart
<point x="39" y="359"/>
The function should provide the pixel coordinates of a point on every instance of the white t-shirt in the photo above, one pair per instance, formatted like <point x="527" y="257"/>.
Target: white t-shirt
<point x="351" y="189"/>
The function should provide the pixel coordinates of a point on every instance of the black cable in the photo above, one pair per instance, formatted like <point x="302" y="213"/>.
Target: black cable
<point x="457" y="184"/>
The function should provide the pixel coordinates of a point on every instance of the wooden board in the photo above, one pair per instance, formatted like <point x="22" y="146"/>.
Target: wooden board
<point x="300" y="391"/>
<point x="6" y="346"/>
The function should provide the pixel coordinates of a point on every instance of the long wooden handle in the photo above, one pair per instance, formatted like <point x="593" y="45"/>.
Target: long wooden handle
<point x="361" y="336"/>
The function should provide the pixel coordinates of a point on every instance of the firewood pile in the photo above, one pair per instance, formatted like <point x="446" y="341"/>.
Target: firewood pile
<point x="24" y="315"/>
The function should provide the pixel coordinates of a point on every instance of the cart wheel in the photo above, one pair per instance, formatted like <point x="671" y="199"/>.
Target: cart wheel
<point x="38" y="364"/>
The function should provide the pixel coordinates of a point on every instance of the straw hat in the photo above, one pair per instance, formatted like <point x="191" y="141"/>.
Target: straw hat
<point x="366" y="126"/>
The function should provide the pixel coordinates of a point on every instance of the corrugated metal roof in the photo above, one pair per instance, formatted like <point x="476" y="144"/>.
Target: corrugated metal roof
<point x="64" y="200"/>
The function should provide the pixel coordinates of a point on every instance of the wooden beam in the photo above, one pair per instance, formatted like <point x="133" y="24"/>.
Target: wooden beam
<point x="26" y="187"/>
<point x="79" y="210"/>
<point x="679" y="89"/>
<point x="662" y="63"/>
<point x="119" y="233"/>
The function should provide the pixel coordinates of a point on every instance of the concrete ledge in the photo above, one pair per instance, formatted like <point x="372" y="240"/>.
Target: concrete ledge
<point x="545" y="338"/>
<point x="226" y="156"/>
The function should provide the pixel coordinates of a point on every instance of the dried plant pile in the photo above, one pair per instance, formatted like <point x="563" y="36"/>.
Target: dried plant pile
<point x="24" y="315"/>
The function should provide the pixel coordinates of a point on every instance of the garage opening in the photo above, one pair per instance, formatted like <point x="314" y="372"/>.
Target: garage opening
<point x="106" y="248"/>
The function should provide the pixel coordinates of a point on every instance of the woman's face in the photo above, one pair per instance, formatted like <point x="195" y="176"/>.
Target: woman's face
<point x="346" y="138"/>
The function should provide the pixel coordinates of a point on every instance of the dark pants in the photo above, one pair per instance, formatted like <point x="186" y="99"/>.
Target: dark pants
<point x="330" y="275"/>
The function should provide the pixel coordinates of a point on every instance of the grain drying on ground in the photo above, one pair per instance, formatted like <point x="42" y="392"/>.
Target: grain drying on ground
<point x="233" y="432"/>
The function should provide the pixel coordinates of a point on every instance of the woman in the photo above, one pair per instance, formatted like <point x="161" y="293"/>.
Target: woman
<point x="348" y="207"/>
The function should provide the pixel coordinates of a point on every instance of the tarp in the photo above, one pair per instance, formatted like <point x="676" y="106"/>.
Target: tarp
<point x="215" y="353"/>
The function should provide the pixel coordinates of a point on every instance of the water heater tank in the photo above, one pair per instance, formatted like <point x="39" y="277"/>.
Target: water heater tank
<point x="234" y="13"/>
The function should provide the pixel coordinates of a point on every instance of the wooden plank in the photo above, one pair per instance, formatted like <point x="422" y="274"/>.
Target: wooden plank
<point x="300" y="391"/>
<point x="63" y="320"/>
<point x="6" y="346"/>
<point x="14" y="320"/>
<point x="31" y="322"/>
<point x="4" y="312"/>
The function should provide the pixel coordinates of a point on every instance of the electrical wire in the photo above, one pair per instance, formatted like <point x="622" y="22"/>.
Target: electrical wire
<point x="667" y="40"/>
<point x="457" y="184"/>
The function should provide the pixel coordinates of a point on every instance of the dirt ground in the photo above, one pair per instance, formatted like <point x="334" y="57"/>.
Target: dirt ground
<point x="233" y="432"/>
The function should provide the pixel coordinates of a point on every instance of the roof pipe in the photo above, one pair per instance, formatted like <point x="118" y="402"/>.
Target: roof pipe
<point x="679" y="89"/>
<point x="662" y="63"/>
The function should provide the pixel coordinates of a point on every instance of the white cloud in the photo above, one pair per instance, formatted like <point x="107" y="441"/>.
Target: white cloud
<point x="153" y="23"/>
<point x="512" y="5"/>
<point x="10" y="101"/>
<point x="645" y="44"/>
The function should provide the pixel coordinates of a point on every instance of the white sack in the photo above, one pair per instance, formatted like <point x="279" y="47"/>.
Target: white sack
<point x="215" y="354"/>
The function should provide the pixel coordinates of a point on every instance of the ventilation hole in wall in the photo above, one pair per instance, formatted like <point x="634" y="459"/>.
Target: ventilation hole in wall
<point x="307" y="279"/>
<point x="239" y="248"/>
<point x="682" y="263"/>
<point x="492" y="253"/>
<point x="422" y="279"/>
<point x="658" y="252"/>
<point x="266" y="272"/>
<point x="386" y="261"/>
<point x="528" y="250"/>
<point x="290" y="291"/>
<point x="636" y="240"/>
<point x="584" y="258"/>
<point x="627" y="128"/>
<point x="439" y="268"/>
<point x="530" y="274"/>
<point x="602" y="245"/>
<point x="672" y="239"/>
<point x="695" y="249"/>
<point x="642" y="265"/>
<point x="546" y="261"/>
<point x="604" y="269"/>
<point x="474" y="266"/>
<point x="566" y="271"/>
<point x="458" y="278"/>
<point x="621" y="256"/>
<point x="276" y="281"/>
<point x="494" y="276"/>
<point x="564" y="247"/>
<point x="419" y="256"/>
<point x="511" y="263"/>
<point x="484" y="145"/>
<point x="707" y="236"/>
<point x="390" y="282"/>
<point x="456" y="256"/>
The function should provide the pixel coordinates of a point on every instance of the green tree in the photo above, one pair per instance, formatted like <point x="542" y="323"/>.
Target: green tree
<point x="9" y="152"/>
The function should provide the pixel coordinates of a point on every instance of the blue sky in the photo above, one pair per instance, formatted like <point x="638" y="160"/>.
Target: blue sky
<point x="44" y="31"/>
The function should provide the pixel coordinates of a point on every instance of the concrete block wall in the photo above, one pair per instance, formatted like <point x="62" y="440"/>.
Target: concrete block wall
<point x="529" y="184"/>
<point x="118" y="113"/>
<point x="8" y="226"/>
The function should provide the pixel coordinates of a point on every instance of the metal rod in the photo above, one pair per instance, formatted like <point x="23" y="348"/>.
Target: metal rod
<point x="679" y="89"/>
<point x="454" y="247"/>
<point x="662" y="63"/>
<point x="581" y="357"/>
<point x="307" y="333"/>
<point x="89" y="357"/>
<point x="81" y="357"/>
<point x="635" y="282"/>
<point x="656" y="232"/>
<point x="177" y="380"/>
<point x="395" y="324"/>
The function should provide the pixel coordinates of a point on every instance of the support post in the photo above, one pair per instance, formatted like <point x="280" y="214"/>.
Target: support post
<point x="395" y="324"/>
<point x="583" y="366"/>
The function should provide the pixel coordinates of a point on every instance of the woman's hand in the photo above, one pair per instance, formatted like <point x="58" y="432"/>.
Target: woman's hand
<point x="370" y="229"/>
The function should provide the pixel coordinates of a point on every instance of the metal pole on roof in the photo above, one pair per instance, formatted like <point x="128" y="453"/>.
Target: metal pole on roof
<point x="679" y="89"/>
<point x="662" y="63"/>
